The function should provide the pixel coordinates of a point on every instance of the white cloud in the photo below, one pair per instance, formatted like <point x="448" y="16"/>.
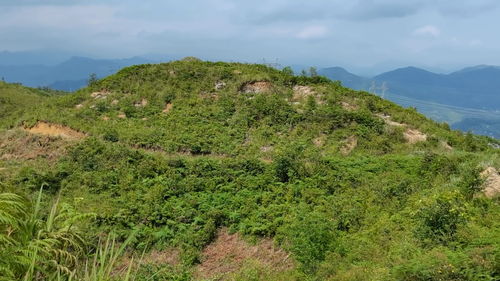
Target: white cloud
<point x="312" y="32"/>
<point x="428" y="30"/>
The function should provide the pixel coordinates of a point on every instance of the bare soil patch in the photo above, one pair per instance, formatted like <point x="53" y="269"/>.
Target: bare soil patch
<point x="219" y="85"/>
<point x="349" y="107"/>
<point x="228" y="253"/>
<point x="167" y="108"/>
<point x="491" y="187"/>
<point x="413" y="136"/>
<point x="55" y="130"/>
<point x="349" y="145"/>
<point x="256" y="87"/>
<point x="300" y="92"/>
<point x="320" y="140"/>
<point x="100" y="95"/>
<point x="142" y="103"/>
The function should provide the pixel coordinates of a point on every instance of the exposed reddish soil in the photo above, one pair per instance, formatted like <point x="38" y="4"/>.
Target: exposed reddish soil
<point x="228" y="253"/>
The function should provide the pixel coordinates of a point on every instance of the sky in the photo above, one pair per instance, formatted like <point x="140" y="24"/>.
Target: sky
<point x="361" y="35"/>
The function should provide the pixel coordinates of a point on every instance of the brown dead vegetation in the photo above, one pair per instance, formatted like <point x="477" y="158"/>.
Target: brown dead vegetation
<point x="228" y="253"/>
<point x="20" y="145"/>
<point x="491" y="187"/>
<point x="256" y="87"/>
<point x="55" y="130"/>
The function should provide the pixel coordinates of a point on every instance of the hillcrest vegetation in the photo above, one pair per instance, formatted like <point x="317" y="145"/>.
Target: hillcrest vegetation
<point x="195" y="170"/>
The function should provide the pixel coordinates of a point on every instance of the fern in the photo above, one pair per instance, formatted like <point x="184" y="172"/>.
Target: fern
<point x="38" y="247"/>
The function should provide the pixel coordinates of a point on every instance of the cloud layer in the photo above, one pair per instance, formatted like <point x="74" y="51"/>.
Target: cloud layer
<point x="322" y="32"/>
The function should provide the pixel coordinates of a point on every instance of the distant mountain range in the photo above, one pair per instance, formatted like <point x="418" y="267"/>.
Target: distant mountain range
<point x="69" y="75"/>
<point x="468" y="99"/>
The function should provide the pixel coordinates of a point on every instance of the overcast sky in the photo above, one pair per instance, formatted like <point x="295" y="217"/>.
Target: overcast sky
<point x="357" y="34"/>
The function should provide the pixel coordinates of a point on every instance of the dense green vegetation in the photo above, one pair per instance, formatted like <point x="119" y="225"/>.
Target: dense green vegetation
<point x="175" y="152"/>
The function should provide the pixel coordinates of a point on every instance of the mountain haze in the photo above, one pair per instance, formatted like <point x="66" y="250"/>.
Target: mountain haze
<point x="69" y="75"/>
<point x="468" y="99"/>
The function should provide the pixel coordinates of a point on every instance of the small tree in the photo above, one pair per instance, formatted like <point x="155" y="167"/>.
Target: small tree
<point x="313" y="71"/>
<point x="92" y="79"/>
<point x="287" y="71"/>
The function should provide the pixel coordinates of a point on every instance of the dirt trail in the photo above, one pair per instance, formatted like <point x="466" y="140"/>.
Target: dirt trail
<point x="55" y="130"/>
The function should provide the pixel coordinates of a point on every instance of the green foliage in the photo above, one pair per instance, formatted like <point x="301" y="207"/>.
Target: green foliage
<point x="35" y="245"/>
<point x="172" y="155"/>
<point x="440" y="218"/>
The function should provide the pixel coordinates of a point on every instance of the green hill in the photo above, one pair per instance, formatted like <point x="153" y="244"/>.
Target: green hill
<point x="228" y="171"/>
<point x="16" y="99"/>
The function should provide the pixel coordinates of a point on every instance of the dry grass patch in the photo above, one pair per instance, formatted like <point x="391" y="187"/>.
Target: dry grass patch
<point x="55" y="130"/>
<point x="19" y="145"/>
<point x="229" y="252"/>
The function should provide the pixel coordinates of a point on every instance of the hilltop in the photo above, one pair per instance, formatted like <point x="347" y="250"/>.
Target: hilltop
<point x="244" y="172"/>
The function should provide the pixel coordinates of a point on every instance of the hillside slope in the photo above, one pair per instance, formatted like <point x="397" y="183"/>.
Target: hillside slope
<point x="15" y="100"/>
<point x="233" y="171"/>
